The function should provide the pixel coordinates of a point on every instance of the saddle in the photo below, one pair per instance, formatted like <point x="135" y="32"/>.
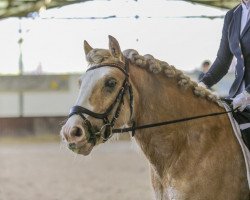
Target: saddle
<point x="241" y="125"/>
<point x="243" y="120"/>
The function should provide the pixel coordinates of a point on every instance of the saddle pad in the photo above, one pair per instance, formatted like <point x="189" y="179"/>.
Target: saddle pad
<point x="237" y="133"/>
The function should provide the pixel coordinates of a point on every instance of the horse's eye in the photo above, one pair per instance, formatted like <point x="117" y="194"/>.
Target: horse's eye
<point x="111" y="83"/>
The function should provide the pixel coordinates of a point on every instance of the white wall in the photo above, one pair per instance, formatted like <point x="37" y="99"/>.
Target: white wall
<point x="40" y="103"/>
<point x="56" y="103"/>
<point x="8" y="104"/>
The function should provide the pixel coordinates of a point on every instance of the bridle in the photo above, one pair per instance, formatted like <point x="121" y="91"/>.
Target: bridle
<point x="106" y="131"/>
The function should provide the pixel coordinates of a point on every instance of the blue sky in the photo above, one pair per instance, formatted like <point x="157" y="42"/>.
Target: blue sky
<point x="55" y="42"/>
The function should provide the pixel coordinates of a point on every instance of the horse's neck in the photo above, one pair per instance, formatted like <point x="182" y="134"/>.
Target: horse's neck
<point x="161" y="99"/>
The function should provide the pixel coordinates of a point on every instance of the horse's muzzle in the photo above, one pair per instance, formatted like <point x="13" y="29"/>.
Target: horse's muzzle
<point x="75" y="136"/>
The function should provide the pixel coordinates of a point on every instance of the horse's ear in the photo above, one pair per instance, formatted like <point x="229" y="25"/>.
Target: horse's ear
<point x="87" y="47"/>
<point x="114" y="47"/>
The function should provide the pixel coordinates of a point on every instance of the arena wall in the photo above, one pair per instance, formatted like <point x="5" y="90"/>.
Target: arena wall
<point x="46" y="105"/>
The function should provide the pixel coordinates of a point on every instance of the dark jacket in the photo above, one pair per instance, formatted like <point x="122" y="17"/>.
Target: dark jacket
<point x="201" y="75"/>
<point x="232" y="44"/>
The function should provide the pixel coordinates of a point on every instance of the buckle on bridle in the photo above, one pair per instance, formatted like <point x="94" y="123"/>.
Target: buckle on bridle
<point x="106" y="135"/>
<point x="101" y="133"/>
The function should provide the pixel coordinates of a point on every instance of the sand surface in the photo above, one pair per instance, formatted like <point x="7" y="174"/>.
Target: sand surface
<point x="114" y="171"/>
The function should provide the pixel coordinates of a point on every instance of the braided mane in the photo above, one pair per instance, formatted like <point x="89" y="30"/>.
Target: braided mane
<point x="157" y="66"/>
<point x="97" y="56"/>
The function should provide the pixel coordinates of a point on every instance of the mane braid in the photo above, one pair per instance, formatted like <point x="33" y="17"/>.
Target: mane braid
<point x="102" y="56"/>
<point x="157" y="66"/>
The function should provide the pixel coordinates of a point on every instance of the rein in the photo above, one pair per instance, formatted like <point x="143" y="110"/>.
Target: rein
<point x="133" y="128"/>
<point x="107" y="128"/>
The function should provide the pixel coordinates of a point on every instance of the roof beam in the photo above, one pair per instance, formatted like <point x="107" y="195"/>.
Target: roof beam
<point x="227" y="4"/>
<point x="21" y="8"/>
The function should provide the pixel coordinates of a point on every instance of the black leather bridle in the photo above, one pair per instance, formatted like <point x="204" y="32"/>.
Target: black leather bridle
<point x="106" y="130"/>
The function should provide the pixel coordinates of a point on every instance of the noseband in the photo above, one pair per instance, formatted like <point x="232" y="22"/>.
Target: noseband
<point x="108" y="125"/>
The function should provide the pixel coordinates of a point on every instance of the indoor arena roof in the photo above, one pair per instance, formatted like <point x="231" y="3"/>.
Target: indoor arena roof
<point x="21" y="8"/>
<point x="218" y="3"/>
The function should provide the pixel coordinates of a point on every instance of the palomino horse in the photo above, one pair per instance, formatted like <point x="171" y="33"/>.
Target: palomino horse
<point x="198" y="159"/>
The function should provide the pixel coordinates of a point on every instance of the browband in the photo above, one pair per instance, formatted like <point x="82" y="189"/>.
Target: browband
<point x="115" y="65"/>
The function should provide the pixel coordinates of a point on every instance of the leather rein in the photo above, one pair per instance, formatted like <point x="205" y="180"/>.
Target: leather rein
<point x="107" y="130"/>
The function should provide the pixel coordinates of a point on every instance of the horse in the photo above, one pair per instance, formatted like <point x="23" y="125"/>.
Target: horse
<point x="196" y="159"/>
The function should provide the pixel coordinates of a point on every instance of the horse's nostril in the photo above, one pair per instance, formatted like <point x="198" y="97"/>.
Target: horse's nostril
<point x="77" y="132"/>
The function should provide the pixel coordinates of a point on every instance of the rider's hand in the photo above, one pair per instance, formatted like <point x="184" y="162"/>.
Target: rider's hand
<point x="241" y="101"/>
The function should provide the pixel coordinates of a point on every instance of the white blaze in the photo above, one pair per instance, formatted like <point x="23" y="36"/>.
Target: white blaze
<point x="89" y="80"/>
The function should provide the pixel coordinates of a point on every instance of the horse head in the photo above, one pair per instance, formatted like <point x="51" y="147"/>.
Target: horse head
<point x="104" y="100"/>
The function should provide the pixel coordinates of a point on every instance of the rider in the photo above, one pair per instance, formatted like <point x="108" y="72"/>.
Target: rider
<point x="235" y="41"/>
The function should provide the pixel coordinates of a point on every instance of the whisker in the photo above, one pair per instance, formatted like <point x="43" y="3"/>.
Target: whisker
<point x="75" y="157"/>
<point x="63" y="122"/>
<point x="62" y="145"/>
<point x="114" y="138"/>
